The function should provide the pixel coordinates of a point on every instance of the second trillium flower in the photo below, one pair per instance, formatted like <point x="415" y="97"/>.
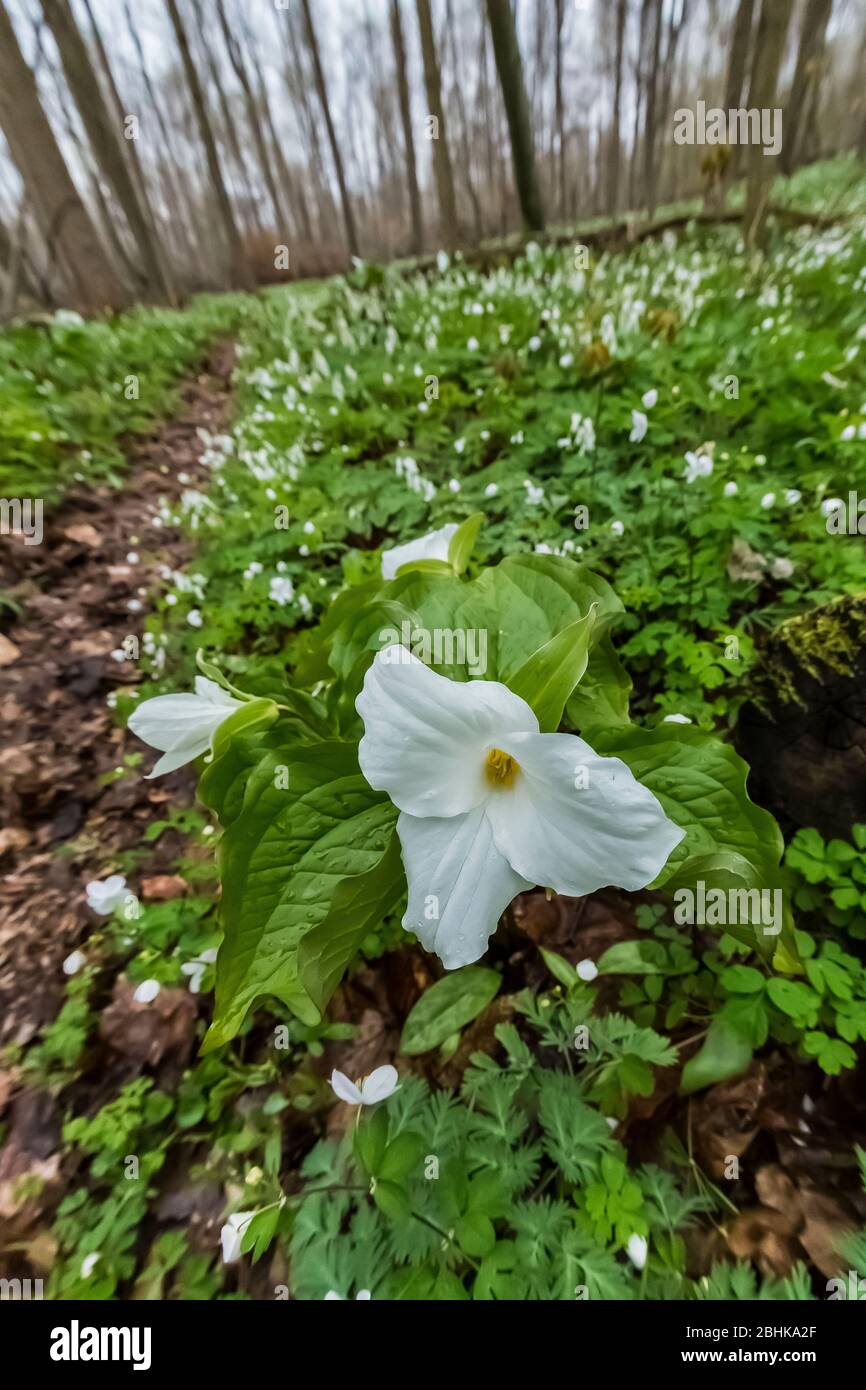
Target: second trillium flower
<point x="490" y="806"/>
<point x="182" y="726"/>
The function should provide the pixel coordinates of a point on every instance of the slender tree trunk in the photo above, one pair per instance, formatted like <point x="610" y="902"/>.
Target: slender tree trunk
<point x="769" y="49"/>
<point x="651" y="134"/>
<point x="507" y="54"/>
<point x="406" y="122"/>
<point x="559" y="110"/>
<point x="318" y="74"/>
<point x="741" y="38"/>
<point x="106" y="141"/>
<point x="236" y="58"/>
<point x="448" y="225"/>
<point x="239" y="269"/>
<point x="806" y="80"/>
<point x="616" y="135"/>
<point x="63" y="219"/>
<point x="462" y="124"/>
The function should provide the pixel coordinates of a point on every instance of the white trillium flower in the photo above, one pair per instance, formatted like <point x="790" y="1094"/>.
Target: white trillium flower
<point x="676" y="719"/>
<point x="617" y="527"/>
<point x="831" y="505"/>
<point x="781" y="568"/>
<point x="586" y="970"/>
<point x="636" y="1249"/>
<point x="363" y="1295"/>
<point x="768" y="500"/>
<point x="731" y="489"/>
<point x="649" y="398"/>
<point x="231" y="1234"/>
<point x="88" y="1264"/>
<point x="182" y="726"/>
<point x="74" y="962"/>
<point x="489" y="806"/>
<point x="793" y="496"/>
<point x="379" y="1085"/>
<point x="104" y="895"/>
<point x="638" y="426"/>
<point x="433" y="546"/>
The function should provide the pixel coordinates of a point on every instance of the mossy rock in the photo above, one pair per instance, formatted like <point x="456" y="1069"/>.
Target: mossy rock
<point x="803" y="729"/>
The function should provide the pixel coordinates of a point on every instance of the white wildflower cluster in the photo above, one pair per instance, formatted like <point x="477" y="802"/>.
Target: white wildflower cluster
<point x="407" y="468"/>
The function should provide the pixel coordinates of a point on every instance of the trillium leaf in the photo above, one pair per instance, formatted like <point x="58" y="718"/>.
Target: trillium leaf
<point x="546" y="680"/>
<point x="448" y="1006"/>
<point x="359" y="904"/>
<point x="486" y="626"/>
<point x="254" y="714"/>
<point x="462" y="543"/>
<point x="307" y="822"/>
<point x="730" y="842"/>
<point x="402" y="1155"/>
<point x="602" y="697"/>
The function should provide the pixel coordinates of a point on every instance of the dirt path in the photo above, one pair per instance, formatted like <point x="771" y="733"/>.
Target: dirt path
<point x="80" y="594"/>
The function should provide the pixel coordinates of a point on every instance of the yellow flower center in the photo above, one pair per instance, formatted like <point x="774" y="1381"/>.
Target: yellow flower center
<point x="500" y="768"/>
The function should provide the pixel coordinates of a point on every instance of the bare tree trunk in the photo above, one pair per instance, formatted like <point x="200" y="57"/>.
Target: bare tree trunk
<point x="507" y="54"/>
<point x="651" y="134"/>
<point x="741" y="37"/>
<point x="297" y="198"/>
<point x="463" y="125"/>
<point x="106" y="142"/>
<point x="239" y="269"/>
<point x="448" y="225"/>
<point x="318" y="73"/>
<point x="236" y="58"/>
<point x="616" y="135"/>
<point x="639" y="105"/>
<point x="65" y="224"/>
<point x="769" y="49"/>
<point x="406" y="122"/>
<point x="559" y="109"/>
<point x="806" y="80"/>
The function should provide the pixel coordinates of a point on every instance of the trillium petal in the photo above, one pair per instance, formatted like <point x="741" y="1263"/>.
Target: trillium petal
<point x="426" y="737"/>
<point x="167" y="719"/>
<point x="380" y="1084"/>
<point x="345" y="1089"/>
<point x="459" y="884"/>
<point x="575" y="822"/>
<point x="178" y="757"/>
<point x="433" y="546"/>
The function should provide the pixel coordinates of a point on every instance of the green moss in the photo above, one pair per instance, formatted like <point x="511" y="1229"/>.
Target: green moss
<point x="828" y="639"/>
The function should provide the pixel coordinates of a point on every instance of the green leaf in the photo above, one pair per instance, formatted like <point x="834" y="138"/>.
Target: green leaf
<point x="729" y="842"/>
<point x="392" y="1200"/>
<point x="359" y="904"/>
<point x="500" y="1277"/>
<point x="475" y="1234"/>
<point x="308" y="820"/>
<point x="463" y="542"/>
<point x="260" y="1231"/>
<point x="725" y="1053"/>
<point x="602" y="698"/>
<point x="742" y="979"/>
<point x="632" y="958"/>
<point x="795" y="999"/>
<point x="371" y="1138"/>
<point x="447" y="1006"/>
<point x="561" y="969"/>
<point x="255" y="714"/>
<point x="402" y="1155"/>
<point x="547" y="678"/>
